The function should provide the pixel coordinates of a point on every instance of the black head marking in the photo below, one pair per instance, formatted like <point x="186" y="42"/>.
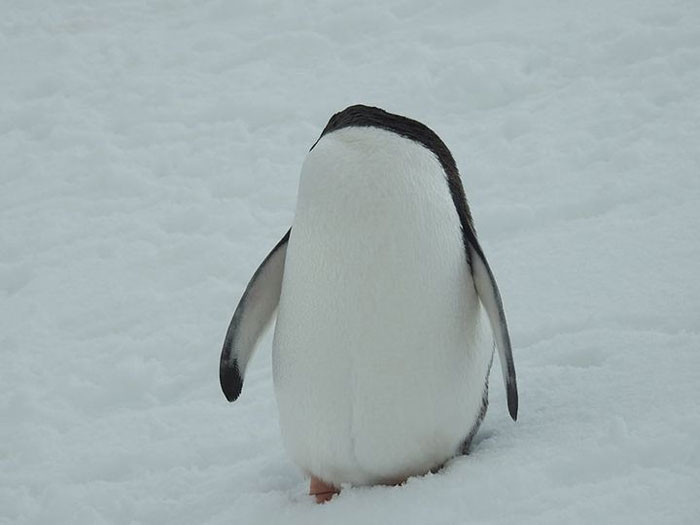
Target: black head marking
<point x="367" y="116"/>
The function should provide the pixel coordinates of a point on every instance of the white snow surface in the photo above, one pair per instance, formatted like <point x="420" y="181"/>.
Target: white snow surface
<point x="150" y="159"/>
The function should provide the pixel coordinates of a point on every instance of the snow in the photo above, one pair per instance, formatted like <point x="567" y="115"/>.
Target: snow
<point x="150" y="157"/>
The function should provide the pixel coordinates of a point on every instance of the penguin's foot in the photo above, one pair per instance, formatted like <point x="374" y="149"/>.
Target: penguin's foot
<point x="321" y="490"/>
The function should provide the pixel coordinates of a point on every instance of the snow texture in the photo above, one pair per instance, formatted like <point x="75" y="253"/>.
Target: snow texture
<point x="150" y="158"/>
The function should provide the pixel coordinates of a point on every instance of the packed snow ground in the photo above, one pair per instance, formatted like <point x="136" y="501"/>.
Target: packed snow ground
<point x="150" y="157"/>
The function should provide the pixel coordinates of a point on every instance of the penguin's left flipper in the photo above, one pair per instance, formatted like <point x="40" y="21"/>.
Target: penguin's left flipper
<point x="252" y="315"/>
<point x="490" y="297"/>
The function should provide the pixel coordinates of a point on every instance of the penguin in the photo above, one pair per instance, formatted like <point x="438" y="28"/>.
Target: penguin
<point x="387" y="310"/>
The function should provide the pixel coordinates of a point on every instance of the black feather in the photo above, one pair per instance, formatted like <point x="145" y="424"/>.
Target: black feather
<point x="231" y="380"/>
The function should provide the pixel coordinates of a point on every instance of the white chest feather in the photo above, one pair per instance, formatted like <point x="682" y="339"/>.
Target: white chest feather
<point x="381" y="348"/>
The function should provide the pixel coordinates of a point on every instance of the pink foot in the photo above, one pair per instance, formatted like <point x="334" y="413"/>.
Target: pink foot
<point x="321" y="490"/>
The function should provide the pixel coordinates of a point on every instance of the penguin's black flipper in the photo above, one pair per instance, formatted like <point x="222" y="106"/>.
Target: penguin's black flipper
<point x="490" y="297"/>
<point x="252" y="315"/>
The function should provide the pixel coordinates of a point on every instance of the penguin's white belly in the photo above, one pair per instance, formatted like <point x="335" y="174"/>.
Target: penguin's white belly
<point x="381" y="348"/>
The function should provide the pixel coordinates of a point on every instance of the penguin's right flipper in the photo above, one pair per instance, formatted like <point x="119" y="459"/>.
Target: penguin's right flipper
<point x="490" y="297"/>
<point x="252" y="315"/>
